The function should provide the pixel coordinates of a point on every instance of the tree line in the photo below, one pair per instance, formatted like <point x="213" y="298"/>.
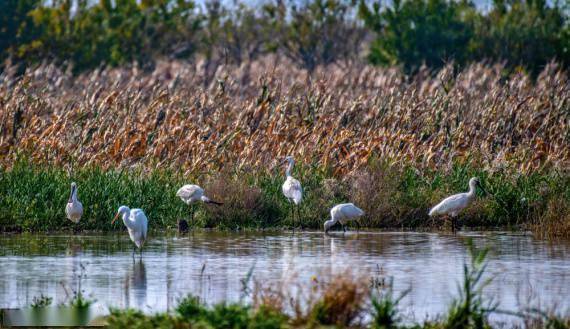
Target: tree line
<point x="523" y="34"/>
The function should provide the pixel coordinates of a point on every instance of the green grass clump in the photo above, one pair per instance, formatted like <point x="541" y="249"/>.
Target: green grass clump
<point x="34" y="197"/>
<point x="469" y="310"/>
<point x="42" y="301"/>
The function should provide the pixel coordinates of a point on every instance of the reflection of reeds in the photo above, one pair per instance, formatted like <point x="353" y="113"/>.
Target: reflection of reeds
<point x="339" y="119"/>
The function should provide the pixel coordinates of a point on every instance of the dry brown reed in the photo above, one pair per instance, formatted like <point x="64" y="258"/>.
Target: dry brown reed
<point x="554" y="222"/>
<point x="340" y="299"/>
<point x="251" y="115"/>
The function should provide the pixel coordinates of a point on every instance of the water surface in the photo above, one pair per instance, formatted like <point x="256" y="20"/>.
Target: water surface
<point x="526" y="271"/>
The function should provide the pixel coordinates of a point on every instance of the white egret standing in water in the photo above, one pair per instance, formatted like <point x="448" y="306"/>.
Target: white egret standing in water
<point x="191" y="194"/>
<point x="292" y="188"/>
<point x="453" y="205"/>
<point x="74" y="208"/>
<point x="343" y="213"/>
<point x="137" y="224"/>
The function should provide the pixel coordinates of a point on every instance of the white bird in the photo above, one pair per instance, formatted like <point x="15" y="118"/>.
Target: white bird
<point x="343" y="213"/>
<point x="453" y="205"/>
<point x="74" y="208"/>
<point x="191" y="194"/>
<point x="137" y="224"/>
<point x="291" y="187"/>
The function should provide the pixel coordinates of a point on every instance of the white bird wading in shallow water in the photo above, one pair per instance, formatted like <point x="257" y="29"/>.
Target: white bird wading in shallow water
<point x="191" y="194"/>
<point x="343" y="213"/>
<point x="453" y="205"/>
<point x="292" y="188"/>
<point x="137" y="224"/>
<point x="74" y="208"/>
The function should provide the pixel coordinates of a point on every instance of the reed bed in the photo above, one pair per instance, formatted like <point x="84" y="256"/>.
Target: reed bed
<point x="391" y="143"/>
<point x="252" y="115"/>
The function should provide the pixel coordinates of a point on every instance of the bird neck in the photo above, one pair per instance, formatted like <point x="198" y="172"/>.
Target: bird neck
<point x="289" y="169"/>
<point x="127" y="220"/>
<point x="72" y="195"/>
<point x="472" y="189"/>
<point x="330" y="223"/>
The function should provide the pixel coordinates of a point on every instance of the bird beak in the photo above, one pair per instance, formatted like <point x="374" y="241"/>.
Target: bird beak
<point x="114" y="219"/>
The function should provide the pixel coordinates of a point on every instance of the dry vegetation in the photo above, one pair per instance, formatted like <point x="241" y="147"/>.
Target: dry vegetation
<point x="250" y="116"/>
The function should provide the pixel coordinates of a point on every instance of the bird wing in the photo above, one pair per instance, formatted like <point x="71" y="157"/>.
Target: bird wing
<point x="351" y="211"/>
<point x="455" y="202"/>
<point x="292" y="189"/>
<point x="139" y="217"/>
<point x="188" y="191"/>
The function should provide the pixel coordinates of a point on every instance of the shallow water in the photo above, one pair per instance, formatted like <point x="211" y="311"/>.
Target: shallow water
<point x="525" y="271"/>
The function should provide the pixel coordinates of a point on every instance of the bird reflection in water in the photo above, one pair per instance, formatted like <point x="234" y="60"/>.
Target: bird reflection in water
<point x="137" y="281"/>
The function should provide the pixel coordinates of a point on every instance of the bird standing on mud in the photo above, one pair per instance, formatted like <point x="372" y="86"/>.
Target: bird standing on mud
<point x="74" y="208"/>
<point x="137" y="225"/>
<point x="191" y="194"/>
<point x="453" y="205"/>
<point x="292" y="188"/>
<point x="343" y="213"/>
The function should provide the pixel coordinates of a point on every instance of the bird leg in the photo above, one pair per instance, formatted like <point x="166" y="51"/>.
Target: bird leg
<point x="292" y="216"/>
<point x="343" y="228"/>
<point x="299" y="217"/>
<point x="357" y="225"/>
<point x="193" y="211"/>
<point x="134" y="249"/>
<point x="453" y="228"/>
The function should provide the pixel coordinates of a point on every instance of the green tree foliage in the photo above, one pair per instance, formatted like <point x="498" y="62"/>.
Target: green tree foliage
<point x="410" y="33"/>
<point x="108" y="32"/>
<point x="416" y="32"/>
<point x="316" y="32"/>
<point x="527" y="33"/>
<point x="14" y="18"/>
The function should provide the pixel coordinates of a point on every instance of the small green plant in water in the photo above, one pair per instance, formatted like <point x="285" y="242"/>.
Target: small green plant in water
<point x="190" y="308"/>
<point x="80" y="301"/>
<point x="42" y="301"/>
<point x="469" y="310"/>
<point x="385" y="314"/>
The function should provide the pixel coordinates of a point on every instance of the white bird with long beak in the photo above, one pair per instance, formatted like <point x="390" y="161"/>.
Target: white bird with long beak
<point x="453" y="205"/>
<point x="292" y="188"/>
<point x="74" y="208"/>
<point x="191" y="194"/>
<point x="137" y="224"/>
<point x="343" y="213"/>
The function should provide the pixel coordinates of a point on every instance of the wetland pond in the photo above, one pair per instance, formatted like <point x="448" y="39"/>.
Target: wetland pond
<point x="526" y="271"/>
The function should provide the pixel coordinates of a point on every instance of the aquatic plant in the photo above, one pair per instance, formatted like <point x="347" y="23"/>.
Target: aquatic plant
<point x="42" y="301"/>
<point x="77" y="298"/>
<point x="384" y="308"/>
<point x="469" y="309"/>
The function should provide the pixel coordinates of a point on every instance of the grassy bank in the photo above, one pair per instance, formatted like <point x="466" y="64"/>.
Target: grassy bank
<point x="343" y="301"/>
<point x="34" y="197"/>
